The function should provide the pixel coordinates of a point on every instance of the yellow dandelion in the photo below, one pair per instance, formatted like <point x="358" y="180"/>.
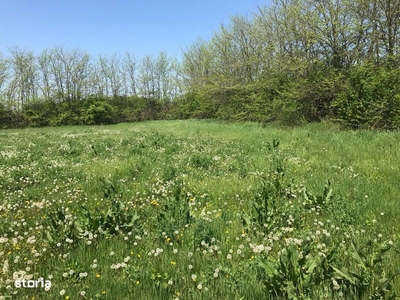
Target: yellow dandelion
<point x="98" y="275"/>
<point x="173" y="263"/>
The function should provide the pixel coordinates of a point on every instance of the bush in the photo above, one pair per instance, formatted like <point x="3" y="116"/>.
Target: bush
<point x="39" y="112"/>
<point x="99" y="113"/>
<point x="6" y="117"/>
<point x="133" y="109"/>
<point x="370" y="98"/>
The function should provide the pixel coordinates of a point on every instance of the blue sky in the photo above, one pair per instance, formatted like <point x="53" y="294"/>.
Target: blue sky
<point x="115" y="26"/>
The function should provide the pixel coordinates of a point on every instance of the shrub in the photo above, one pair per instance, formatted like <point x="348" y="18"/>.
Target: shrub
<point x="99" y="113"/>
<point x="6" y="116"/>
<point x="39" y="112"/>
<point x="370" y="98"/>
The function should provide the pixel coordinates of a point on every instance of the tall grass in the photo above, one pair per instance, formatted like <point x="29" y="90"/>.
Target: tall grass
<point x="199" y="210"/>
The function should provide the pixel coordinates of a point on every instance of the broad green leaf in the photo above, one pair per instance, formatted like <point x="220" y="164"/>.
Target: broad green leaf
<point x="343" y="274"/>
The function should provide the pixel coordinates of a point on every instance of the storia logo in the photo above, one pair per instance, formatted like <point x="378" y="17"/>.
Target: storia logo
<point x="40" y="283"/>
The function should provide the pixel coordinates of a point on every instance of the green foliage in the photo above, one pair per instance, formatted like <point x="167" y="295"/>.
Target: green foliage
<point x="133" y="109"/>
<point x="7" y="116"/>
<point x="92" y="110"/>
<point x="184" y="107"/>
<point x="60" y="226"/>
<point x="243" y="103"/>
<point x="65" y="118"/>
<point x="174" y="210"/>
<point x="309" y="266"/>
<point x="295" y="274"/>
<point x="200" y="104"/>
<point x="98" y="113"/>
<point x="40" y="113"/>
<point x="112" y="219"/>
<point x="317" y="91"/>
<point x="370" y="98"/>
<point x="365" y="274"/>
<point x="68" y="112"/>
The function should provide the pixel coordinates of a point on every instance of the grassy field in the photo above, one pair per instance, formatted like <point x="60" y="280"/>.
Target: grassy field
<point x="199" y="210"/>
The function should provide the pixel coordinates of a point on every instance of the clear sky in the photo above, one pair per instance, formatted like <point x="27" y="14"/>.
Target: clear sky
<point x="115" y="26"/>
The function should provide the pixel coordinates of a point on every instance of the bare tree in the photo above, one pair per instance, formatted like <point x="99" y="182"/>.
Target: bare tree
<point x="131" y="67"/>
<point x="47" y="87"/>
<point x="147" y="77"/>
<point x="66" y="72"/>
<point x="162" y="70"/>
<point x="23" y="86"/>
<point x="111" y="70"/>
<point x="4" y="73"/>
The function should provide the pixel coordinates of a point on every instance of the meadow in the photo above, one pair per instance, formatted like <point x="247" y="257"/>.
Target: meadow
<point x="199" y="210"/>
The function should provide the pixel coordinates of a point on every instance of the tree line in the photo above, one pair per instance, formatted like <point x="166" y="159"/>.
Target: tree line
<point x="301" y="61"/>
<point x="66" y="87"/>
<point x="294" y="61"/>
<point x="58" y="74"/>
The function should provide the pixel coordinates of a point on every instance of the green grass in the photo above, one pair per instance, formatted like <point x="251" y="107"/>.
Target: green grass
<point x="252" y="202"/>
